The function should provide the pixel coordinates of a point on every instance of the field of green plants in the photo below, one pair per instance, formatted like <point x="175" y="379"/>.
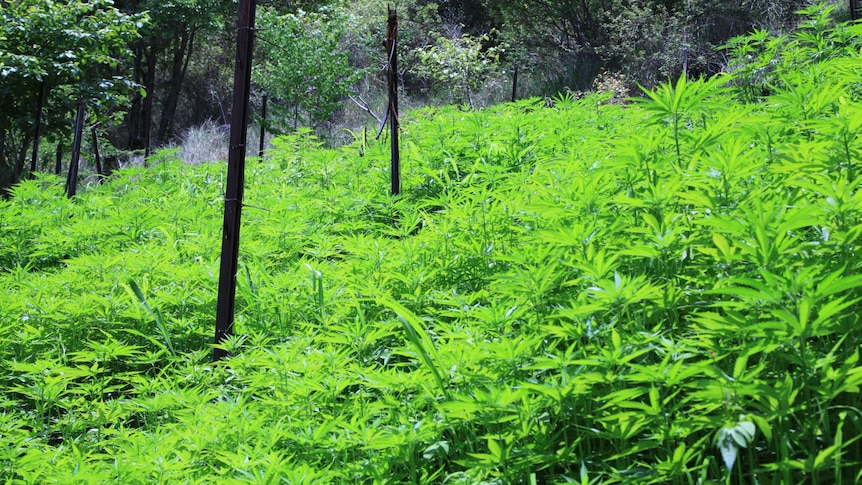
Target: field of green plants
<point x="567" y="291"/>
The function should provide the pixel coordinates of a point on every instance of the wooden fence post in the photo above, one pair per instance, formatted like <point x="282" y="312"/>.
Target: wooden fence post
<point x="392" y="81"/>
<point x="235" y="178"/>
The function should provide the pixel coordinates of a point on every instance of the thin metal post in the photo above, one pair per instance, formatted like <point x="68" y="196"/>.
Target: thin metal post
<point x="392" y="81"/>
<point x="235" y="178"/>
<point x="72" y="180"/>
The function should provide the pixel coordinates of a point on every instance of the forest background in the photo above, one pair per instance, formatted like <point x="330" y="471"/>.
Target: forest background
<point x="152" y="72"/>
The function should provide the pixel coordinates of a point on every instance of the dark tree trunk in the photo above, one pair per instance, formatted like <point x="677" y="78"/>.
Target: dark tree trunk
<point x="262" y="128"/>
<point x="148" y="101"/>
<point x="58" y="161"/>
<point x="515" y="85"/>
<point x="2" y="146"/>
<point x="97" y="158"/>
<point x="20" y="157"/>
<point x="37" y="130"/>
<point x="140" y="115"/>
<point x="179" y="66"/>
<point x="136" y="109"/>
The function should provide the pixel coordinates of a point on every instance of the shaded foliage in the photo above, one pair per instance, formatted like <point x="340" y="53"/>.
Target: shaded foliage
<point x="74" y="48"/>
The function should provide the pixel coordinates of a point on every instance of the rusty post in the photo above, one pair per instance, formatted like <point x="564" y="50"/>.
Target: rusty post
<point x="392" y="81"/>
<point x="235" y="178"/>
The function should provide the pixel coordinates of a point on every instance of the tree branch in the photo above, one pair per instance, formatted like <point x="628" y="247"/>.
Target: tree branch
<point x="363" y="105"/>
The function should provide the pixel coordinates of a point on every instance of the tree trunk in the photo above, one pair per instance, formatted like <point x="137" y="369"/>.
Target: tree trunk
<point x="179" y="67"/>
<point x="20" y="157"/>
<point x="96" y="156"/>
<point x="135" y="113"/>
<point x="148" y="101"/>
<point x="37" y="131"/>
<point x="58" y="161"/>
<point x="262" y="128"/>
<point x="140" y="114"/>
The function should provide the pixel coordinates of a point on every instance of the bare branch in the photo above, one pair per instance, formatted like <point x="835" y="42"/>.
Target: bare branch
<point x="363" y="105"/>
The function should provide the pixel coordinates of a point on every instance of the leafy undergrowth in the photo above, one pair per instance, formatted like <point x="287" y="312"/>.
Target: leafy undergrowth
<point x="665" y="292"/>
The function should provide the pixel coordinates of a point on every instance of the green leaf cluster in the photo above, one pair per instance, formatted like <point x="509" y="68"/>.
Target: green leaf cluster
<point x="303" y="67"/>
<point x="461" y="66"/>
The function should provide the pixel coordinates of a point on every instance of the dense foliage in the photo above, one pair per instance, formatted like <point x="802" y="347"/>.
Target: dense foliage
<point x="68" y="51"/>
<point x="573" y="292"/>
<point x="302" y="68"/>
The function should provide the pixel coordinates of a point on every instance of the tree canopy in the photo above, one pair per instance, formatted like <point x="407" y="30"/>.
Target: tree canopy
<point x="72" y="48"/>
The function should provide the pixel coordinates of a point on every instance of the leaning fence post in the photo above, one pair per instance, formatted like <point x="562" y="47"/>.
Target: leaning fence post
<point x="235" y="178"/>
<point x="392" y="81"/>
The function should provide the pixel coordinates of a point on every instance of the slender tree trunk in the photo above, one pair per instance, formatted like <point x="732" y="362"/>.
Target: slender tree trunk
<point x="20" y="157"/>
<point x="179" y="67"/>
<point x="3" y="125"/>
<point x="37" y="131"/>
<point x="58" y="161"/>
<point x="515" y="85"/>
<point x="262" y="128"/>
<point x="148" y="101"/>
<point x="96" y="156"/>
<point x="135" y="112"/>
